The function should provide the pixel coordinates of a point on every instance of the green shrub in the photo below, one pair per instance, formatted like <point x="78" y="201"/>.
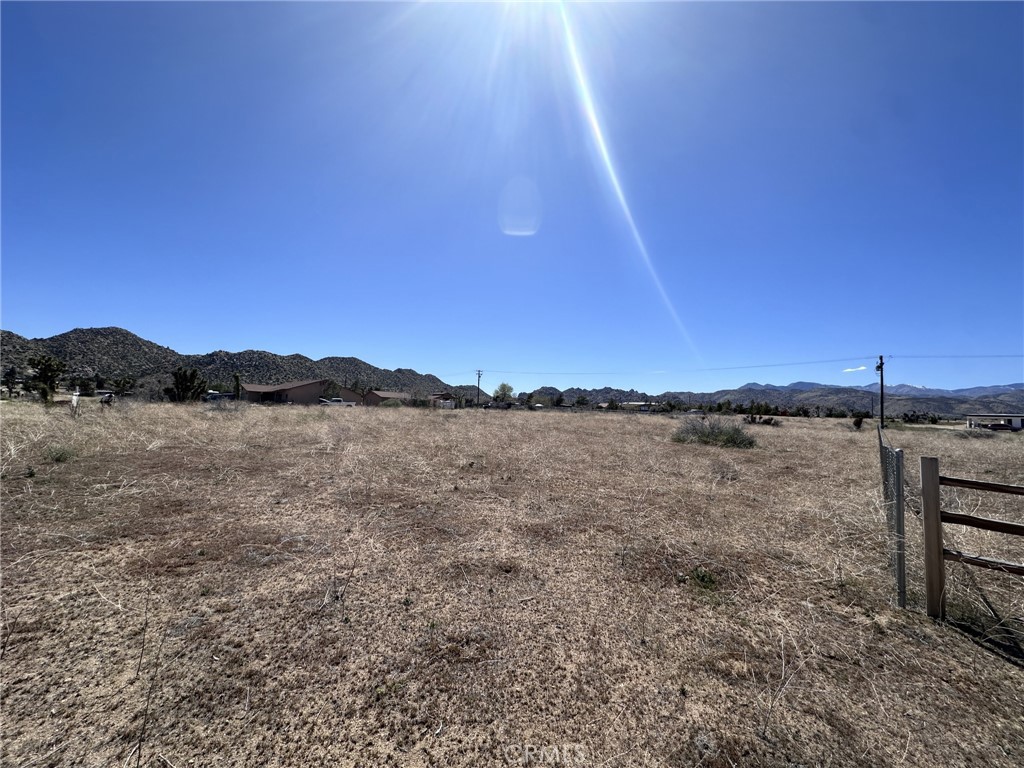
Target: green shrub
<point x="58" y="454"/>
<point x="391" y="403"/>
<point x="711" y="431"/>
<point x="703" y="577"/>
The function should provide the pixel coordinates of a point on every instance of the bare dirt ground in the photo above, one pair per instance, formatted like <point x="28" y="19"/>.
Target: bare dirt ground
<point x="190" y="586"/>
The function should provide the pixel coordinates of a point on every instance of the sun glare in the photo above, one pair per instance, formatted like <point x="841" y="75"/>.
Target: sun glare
<point x="597" y="134"/>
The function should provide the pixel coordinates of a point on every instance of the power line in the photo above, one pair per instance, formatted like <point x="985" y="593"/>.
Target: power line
<point x="685" y="370"/>
<point x="578" y="373"/>
<point x="780" y="365"/>
<point x="794" y="364"/>
<point x="756" y="366"/>
<point x="953" y="357"/>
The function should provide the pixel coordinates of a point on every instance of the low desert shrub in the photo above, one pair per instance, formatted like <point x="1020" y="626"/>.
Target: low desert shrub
<point x="703" y="577"/>
<point x="710" y="431"/>
<point x="768" y="421"/>
<point x="58" y="454"/>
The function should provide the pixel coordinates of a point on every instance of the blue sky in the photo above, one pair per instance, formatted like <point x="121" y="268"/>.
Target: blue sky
<point x="423" y="186"/>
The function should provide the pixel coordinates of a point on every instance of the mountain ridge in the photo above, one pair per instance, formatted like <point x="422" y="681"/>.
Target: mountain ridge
<point x="113" y="352"/>
<point x="892" y="389"/>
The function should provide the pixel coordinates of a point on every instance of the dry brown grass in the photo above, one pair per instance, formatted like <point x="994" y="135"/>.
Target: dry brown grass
<point x="296" y="586"/>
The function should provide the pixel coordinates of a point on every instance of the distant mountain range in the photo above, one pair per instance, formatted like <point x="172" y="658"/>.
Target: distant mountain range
<point x="115" y="352"/>
<point x="997" y="399"/>
<point x="899" y="389"/>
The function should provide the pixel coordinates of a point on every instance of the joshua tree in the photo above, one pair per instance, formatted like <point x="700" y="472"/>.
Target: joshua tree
<point x="123" y="385"/>
<point x="10" y="378"/>
<point x="188" y="386"/>
<point x="48" y="372"/>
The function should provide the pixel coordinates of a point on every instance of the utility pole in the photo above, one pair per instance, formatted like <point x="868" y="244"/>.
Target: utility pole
<point x="479" y="373"/>
<point x="880" y="368"/>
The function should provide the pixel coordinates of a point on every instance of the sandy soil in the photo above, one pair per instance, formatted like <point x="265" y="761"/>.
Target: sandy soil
<point x="187" y="586"/>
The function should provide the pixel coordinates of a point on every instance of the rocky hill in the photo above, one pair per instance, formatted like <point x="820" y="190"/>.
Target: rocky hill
<point x="110" y="352"/>
<point x="115" y="352"/>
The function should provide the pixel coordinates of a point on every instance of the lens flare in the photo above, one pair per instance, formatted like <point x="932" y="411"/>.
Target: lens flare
<point x="519" y="209"/>
<point x="587" y="102"/>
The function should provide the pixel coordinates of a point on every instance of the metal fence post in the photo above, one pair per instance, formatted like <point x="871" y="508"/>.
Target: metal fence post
<point x="892" y="492"/>
<point x="901" y="558"/>
<point x="934" y="564"/>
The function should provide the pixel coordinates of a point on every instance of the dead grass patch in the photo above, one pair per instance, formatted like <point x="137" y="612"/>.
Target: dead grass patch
<point x="402" y="587"/>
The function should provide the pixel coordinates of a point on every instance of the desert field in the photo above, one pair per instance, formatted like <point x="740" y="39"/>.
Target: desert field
<point x="305" y="586"/>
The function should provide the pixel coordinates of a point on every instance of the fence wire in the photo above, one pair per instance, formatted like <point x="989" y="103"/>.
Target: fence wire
<point x="892" y="494"/>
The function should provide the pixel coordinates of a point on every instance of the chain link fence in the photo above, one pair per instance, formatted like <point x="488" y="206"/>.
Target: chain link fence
<point x="893" y="499"/>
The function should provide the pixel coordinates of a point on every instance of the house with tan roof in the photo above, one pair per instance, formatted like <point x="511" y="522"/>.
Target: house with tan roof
<point x="378" y="396"/>
<point x="300" y="392"/>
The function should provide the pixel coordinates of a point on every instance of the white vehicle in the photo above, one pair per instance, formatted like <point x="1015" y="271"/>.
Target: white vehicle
<point x="338" y="401"/>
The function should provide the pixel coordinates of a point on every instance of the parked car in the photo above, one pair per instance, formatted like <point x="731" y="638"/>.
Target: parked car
<point x="337" y="401"/>
<point x="212" y="397"/>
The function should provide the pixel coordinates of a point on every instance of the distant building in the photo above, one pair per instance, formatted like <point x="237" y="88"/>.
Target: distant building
<point x="376" y="397"/>
<point x="301" y="392"/>
<point x="1012" y="421"/>
<point x="642" y="407"/>
<point x="442" y="400"/>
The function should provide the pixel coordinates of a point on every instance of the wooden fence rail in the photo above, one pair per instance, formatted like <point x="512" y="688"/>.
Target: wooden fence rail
<point x="935" y="553"/>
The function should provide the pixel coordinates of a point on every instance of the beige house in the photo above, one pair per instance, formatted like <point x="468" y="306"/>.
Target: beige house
<point x="301" y="392"/>
<point x="346" y="394"/>
<point x="376" y="397"/>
